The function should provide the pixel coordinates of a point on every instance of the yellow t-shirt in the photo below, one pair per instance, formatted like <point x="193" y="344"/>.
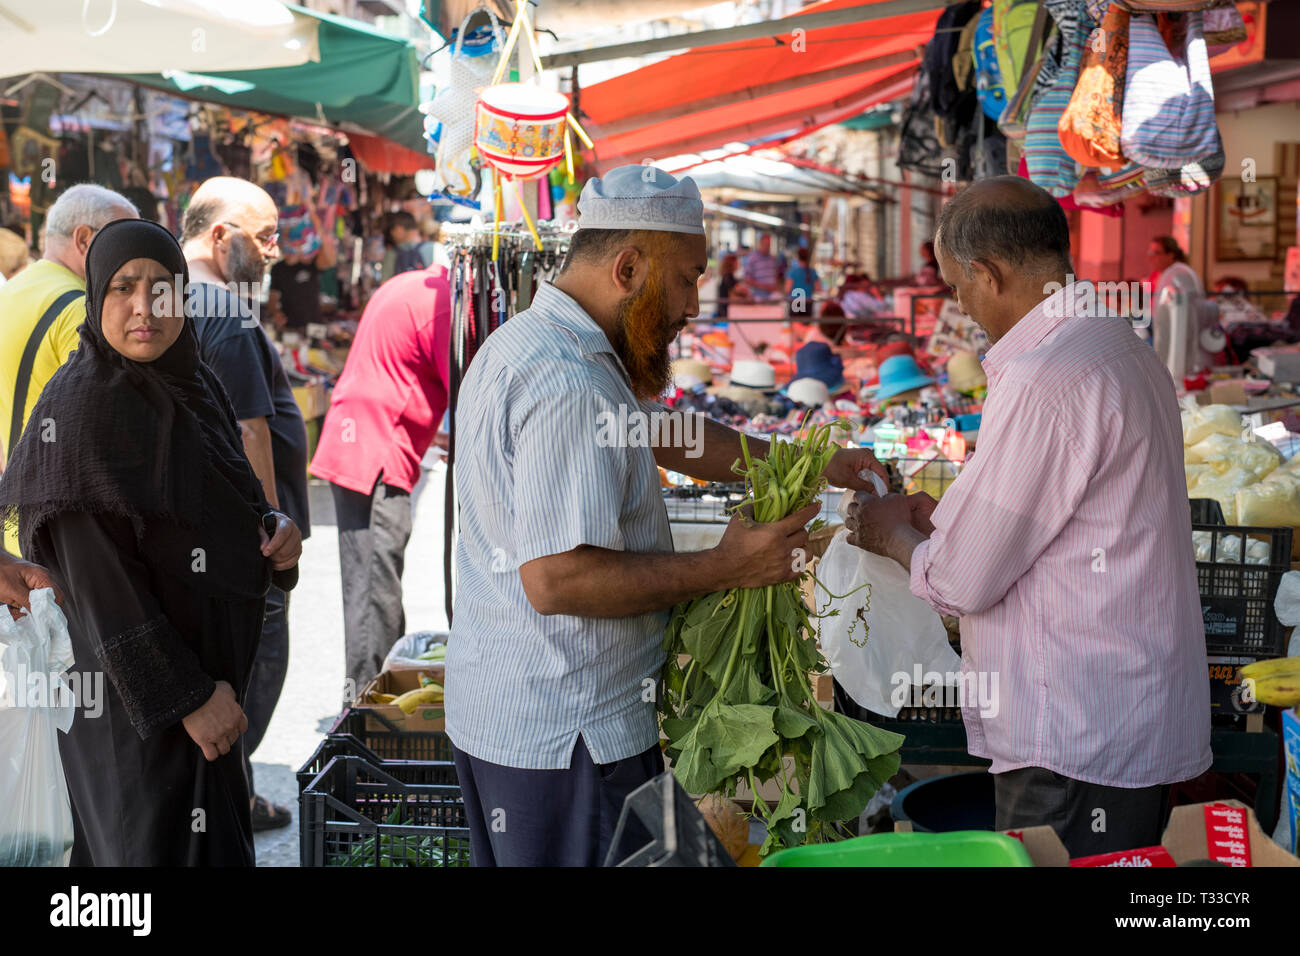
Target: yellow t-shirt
<point x="23" y="300"/>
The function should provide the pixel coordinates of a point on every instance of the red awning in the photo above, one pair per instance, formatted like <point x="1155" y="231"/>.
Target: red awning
<point x="706" y="98"/>
<point x="381" y="155"/>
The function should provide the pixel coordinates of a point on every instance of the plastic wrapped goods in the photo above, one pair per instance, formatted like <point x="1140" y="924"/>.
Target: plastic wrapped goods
<point x="1202" y="421"/>
<point x="1271" y="504"/>
<point x="1194" y="473"/>
<point x="1223" y="489"/>
<point x="1256" y="458"/>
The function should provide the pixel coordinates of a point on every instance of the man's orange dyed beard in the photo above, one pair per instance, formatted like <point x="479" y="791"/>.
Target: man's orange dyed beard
<point x="642" y="337"/>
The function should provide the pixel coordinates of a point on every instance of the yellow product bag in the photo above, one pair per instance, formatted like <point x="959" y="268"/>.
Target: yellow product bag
<point x="1257" y="458"/>
<point x="1194" y="473"/>
<point x="1223" y="489"/>
<point x="1206" y="420"/>
<point x="1271" y="504"/>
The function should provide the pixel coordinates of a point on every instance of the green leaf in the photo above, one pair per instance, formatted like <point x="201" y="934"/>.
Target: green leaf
<point x="791" y="723"/>
<point x="708" y="627"/>
<point x="736" y="735"/>
<point x="847" y="766"/>
<point x="746" y="687"/>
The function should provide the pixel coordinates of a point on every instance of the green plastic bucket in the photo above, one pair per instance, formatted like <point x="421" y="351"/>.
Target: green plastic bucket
<point x="959" y="848"/>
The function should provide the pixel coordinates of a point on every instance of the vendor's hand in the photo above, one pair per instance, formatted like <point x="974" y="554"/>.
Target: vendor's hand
<point x="19" y="578"/>
<point x="285" y="548"/>
<point x="873" y="521"/>
<point x="842" y="472"/>
<point x="217" y="724"/>
<point x="756" y="554"/>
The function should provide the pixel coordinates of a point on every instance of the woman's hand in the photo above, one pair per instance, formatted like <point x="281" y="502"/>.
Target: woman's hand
<point x="285" y="548"/>
<point x="217" y="724"/>
<point x="19" y="578"/>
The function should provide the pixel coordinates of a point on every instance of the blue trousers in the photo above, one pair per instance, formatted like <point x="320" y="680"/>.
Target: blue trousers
<point x="548" y="817"/>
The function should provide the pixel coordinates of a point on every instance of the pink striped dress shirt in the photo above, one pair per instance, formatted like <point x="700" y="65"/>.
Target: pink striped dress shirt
<point x="1065" y="546"/>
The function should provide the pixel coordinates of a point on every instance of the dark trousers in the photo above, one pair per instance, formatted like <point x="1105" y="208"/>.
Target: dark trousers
<point x="267" y="679"/>
<point x="373" y="531"/>
<point x="1089" y="818"/>
<point x="548" y="817"/>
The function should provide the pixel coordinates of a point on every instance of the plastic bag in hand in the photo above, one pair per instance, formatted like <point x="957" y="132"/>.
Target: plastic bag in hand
<point x="35" y="704"/>
<point x="882" y="631"/>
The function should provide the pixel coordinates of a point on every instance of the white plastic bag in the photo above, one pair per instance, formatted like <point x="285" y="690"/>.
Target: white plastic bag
<point x="882" y="633"/>
<point x="35" y="704"/>
<point x="405" y="653"/>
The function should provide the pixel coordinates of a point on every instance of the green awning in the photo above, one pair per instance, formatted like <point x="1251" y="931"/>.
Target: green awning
<point x="364" y="77"/>
<point x="872" y="119"/>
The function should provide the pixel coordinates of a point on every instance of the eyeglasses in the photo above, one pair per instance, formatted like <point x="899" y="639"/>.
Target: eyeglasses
<point x="266" y="242"/>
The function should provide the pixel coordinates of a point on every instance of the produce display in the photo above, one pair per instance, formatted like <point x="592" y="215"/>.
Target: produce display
<point x="402" y="851"/>
<point x="744" y="703"/>
<point x="1224" y="461"/>
<point x="429" y="692"/>
<point x="1275" y="681"/>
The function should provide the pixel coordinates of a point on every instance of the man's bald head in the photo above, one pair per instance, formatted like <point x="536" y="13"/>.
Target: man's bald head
<point x="221" y="198"/>
<point x="1002" y="245"/>
<point x="1006" y="220"/>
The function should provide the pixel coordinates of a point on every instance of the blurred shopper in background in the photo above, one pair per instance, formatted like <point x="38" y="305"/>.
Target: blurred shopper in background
<point x="384" y="413"/>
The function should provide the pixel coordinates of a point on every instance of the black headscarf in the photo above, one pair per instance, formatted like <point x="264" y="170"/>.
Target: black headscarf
<point x="140" y="440"/>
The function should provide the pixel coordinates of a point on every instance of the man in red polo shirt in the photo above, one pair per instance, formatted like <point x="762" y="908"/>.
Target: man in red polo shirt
<point x="385" y="411"/>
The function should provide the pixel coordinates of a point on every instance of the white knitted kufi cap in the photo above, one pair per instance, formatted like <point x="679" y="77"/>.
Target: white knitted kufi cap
<point x="641" y="197"/>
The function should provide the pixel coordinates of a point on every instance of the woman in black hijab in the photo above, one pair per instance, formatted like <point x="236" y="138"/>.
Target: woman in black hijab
<point x="130" y="484"/>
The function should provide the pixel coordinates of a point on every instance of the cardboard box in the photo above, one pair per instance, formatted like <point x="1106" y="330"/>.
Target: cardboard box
<point x="1282" y="364"/>
<point x="1291" y="755"/>
<point x="1225" y="830"/>
<point x="432" y="717"/>
<point x="312" y="401"/>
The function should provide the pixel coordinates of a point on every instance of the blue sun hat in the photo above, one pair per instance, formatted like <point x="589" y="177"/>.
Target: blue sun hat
<point x="898" y="374"/>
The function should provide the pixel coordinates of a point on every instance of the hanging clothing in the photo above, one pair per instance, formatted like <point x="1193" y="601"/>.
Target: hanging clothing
<point x="146" y="513"/>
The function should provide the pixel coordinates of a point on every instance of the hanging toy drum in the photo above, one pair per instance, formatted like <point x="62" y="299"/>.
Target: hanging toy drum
<point x="519" y="129"/>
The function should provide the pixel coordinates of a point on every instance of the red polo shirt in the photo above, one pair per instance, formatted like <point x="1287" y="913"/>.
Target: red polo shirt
<point x="392" y="394"/>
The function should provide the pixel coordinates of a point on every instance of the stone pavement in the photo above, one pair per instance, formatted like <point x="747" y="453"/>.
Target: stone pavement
<point x="309" y="703"/>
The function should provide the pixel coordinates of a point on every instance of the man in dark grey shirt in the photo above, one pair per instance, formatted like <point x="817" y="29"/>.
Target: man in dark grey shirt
<point x="229" y="237"/>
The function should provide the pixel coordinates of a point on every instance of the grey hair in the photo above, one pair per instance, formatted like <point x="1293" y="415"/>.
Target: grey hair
<point x="85" y="204"/>
<point x="1029" y="232"/>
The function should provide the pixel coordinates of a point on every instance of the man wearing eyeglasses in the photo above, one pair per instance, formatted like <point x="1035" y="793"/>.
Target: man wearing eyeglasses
<point x="230" y="237"/>
<point x="43" y="307"/>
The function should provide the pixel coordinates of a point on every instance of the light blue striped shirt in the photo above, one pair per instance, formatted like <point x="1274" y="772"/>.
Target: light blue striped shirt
<point x="536" y="476"/>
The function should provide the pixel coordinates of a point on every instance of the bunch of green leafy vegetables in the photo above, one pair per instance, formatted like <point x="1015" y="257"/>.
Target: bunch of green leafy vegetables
<point x="744" y="702"/>
<point x="441" y="849"/>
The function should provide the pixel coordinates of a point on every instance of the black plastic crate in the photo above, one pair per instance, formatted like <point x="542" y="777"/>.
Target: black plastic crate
<point x="844" y="704"/>
<point x="1237" y="596"/>
<point x="346" y="745"/>
<point x="357" y="814"/>
<point x="389" y="741"/>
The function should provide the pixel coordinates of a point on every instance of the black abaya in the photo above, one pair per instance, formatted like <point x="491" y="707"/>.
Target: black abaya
<point x="162" y="643"/>
<point x="147" y="514"/>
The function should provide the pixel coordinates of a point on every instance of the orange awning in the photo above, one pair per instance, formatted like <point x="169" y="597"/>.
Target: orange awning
<point x="753" y="88"/>
<point x="381" y="155"/>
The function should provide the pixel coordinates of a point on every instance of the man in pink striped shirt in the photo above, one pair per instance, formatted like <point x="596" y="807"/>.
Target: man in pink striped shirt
<point x="1065" y="545"/>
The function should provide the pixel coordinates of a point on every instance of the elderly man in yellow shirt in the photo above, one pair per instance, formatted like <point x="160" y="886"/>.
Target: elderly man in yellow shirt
<point x="43" y="306"/>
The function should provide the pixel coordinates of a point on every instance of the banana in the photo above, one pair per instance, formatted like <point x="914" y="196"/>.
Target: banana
<point x="1280" y="690"/>
<point x="413" y="700"/>
<point x="382" y="698"/>
<point x="1271" y="668"/>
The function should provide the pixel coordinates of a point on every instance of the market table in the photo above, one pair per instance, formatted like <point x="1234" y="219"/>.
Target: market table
<point x="1234" y="751"/>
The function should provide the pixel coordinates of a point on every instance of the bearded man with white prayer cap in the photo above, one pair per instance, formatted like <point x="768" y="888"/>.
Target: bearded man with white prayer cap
<point x="565" y="559"/>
